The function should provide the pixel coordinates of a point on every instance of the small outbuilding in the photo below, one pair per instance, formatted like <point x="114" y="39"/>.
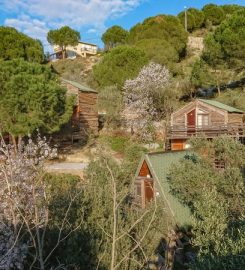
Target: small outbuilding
<point x="151" y="183"/>
<point x="84" y="121"/>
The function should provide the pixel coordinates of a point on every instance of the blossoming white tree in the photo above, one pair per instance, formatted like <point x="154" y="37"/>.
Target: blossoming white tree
<point x="22" y="196"/>
<point x="140" y="98"/>
<point x="24" y="208"/>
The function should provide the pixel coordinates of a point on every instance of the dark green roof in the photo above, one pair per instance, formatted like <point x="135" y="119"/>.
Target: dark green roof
<point x="81" y="87"/>
<point x="221" y="106"/>
<point x="159" y="164"/>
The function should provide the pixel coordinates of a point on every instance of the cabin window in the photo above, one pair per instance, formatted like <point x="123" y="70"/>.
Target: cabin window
<point x="202" y="120"/>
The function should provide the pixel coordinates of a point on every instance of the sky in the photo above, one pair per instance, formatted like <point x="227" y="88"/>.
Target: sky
<point x="90" y="17"/>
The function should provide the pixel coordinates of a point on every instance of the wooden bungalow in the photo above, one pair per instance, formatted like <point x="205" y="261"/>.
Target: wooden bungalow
<point x="151" y="183"/>
<point x="84" y="120"/>
<point x="207" y="118"/>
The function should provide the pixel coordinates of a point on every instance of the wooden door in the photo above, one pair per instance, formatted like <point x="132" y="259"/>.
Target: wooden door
<point x="191" y="122"/>
<point x="149" y="192"/>
<point x="178" y="144"/>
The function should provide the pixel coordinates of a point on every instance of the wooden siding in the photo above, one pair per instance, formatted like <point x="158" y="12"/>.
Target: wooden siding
<point x="237" y="118"/>
<point x="148" y="190"/>
<point x="84" y="120"/>
<point x="216" y="115"/>
<point x="88" y="117"/>
<point x="217" y="122"/>
<point x="87" y="107"/>
<point x="144" y="170"/>
<point x="178" y="144"/>
<point x="144" y="186"/>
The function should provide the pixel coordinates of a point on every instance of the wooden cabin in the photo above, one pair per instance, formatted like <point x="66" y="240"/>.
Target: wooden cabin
<point x="207" y="118"/>
<point x="84" y="120"/>
<point x="151" y="183"/>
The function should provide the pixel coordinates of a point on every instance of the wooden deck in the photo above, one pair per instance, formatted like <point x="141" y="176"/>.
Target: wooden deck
<point x="211" y="131"/>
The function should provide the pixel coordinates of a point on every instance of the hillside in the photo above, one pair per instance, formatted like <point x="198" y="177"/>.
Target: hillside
<point x="78" y="69"/>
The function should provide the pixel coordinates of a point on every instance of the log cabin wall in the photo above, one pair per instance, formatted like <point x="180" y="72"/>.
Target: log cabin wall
<point x="204" y="117"/>
<point x="235" y="118"/>
<point x="217" y="118"/>
<point x="88" y="117"/>
<point x="179" y="117"/>
<point x="85" y="112"/>
<point x="216" y="115"/>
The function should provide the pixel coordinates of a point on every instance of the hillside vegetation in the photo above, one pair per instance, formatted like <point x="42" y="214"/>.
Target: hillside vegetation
<point x="209" y="56"/>
<point x="15" y="45"/>
<point x="56" y="221"/>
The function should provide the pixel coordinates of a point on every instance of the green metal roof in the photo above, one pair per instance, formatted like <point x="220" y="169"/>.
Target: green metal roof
<point x="81" y="87"/>
<point x="159" y="164"/>
<point x="221" y="106"/>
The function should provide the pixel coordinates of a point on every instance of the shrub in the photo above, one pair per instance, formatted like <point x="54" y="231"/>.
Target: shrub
<point x="226" y="45"/>
<point x="190" y="20"/>
<point x="110" y="101"/>
<point x="114" y="36"/>
<point x="16" y="45"/>
<point x="118" y="65"/>
<point x="168" y="28"/>
<point x="214" y="13"/>
<point x="158" y="51"/>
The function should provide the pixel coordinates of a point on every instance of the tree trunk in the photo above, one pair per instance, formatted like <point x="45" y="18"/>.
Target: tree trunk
<point x="113" y="248"/>
<point x="218" y="88"/>
<point x="13" y="139"/>
<point x="40" y="248"/>
<point x="19" y="140"/>
<point x="63" y="52"/>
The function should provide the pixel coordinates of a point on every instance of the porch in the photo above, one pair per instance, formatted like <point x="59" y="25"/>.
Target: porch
<point x="209" y="131"/>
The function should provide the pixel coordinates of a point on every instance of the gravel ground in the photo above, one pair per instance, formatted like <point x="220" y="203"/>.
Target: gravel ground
<point x="68" y="167"/>
<point x="61" y="166"/>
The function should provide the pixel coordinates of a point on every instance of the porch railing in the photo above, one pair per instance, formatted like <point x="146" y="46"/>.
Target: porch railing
<point x="210" y="131"/>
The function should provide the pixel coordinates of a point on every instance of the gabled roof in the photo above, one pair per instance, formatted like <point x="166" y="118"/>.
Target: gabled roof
<point x="222" y="106"/>
<point x="159" y="164"/>
<point x="81" y="87"/>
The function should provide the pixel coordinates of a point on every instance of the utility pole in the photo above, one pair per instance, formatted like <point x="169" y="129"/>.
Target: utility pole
<point x="186" y="19"/>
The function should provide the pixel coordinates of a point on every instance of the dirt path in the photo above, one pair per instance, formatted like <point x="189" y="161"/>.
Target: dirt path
<point x="67" y="167"/>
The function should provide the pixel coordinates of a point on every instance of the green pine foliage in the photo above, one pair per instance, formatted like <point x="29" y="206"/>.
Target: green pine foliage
<point x="190" y="20"/>
<point x="162" y="27"/>
<point x="233" y="97"/>
<point x="118" y="65"/>
<point x="159" y="51"/>
<point x="231" y="9"/>
<point x="195" y="19"/>
<point x="16" y="45"/>
<point x="213" y="13"/>
<point x="220" y="239"/>
<point x="200" y="75"/>
<point x="227" y="44"/>
<point x="63" y="37"/>
<point x="114" y="36"/>
<point x="216" y="198"/>
<point x="31" y="98"/>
